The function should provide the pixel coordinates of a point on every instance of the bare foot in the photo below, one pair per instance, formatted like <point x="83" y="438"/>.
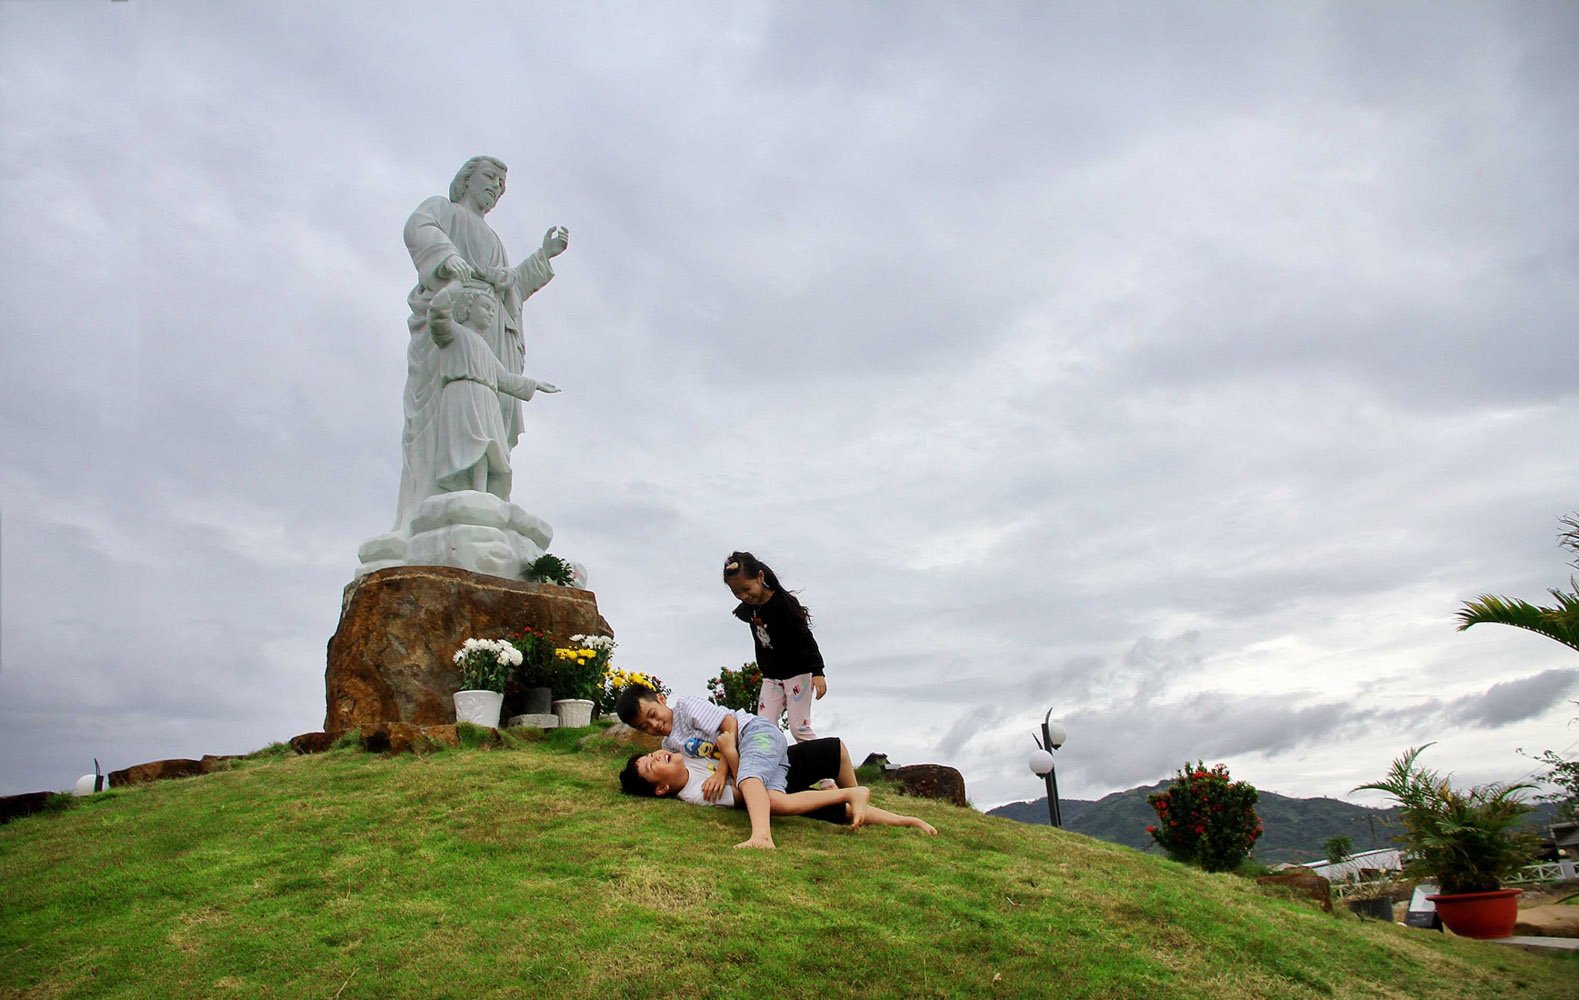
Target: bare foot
<point x="859" y="797"/>
<point x="764" y="843"/>
<point x="921" y="824"/>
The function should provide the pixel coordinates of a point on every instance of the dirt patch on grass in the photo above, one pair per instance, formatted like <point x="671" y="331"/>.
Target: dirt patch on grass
<point x="666" y="889"/>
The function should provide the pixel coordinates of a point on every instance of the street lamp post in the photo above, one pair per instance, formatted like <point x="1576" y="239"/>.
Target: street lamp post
<point x="1053" y="736"/>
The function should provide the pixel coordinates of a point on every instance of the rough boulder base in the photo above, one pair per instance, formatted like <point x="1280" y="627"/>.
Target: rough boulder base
<point x="313" y="742"/>
<point x="931" y="781"/>
<point x="158" y="770"/>
<point x="16" y="806"/>
<point x="390" y="658"/>
<point x="1303" y="883"/>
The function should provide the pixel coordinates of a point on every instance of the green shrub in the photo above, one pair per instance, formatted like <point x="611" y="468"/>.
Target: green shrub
<point x="550" y="569"/>
<point x="1337" y="849"/>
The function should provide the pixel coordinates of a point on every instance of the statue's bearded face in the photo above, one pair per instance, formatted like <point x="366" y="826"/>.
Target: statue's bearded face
<point x="485" y="186"/>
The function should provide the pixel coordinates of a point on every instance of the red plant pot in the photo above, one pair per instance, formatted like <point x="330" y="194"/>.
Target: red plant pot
<point x="1479" y="914"/>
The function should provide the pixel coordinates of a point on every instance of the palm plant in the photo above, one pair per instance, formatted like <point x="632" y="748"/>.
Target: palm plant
<point x="1560" y="622"/>
<point x="1468" y="840"/>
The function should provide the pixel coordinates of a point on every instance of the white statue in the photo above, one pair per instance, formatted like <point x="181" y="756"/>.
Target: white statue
<point x="449" y="240"/>
<point x="470" y="447"/>
<point x="464" y="384"/>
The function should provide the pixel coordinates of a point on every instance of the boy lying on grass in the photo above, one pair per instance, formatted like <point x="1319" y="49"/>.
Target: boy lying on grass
<point x="763" y="767"/>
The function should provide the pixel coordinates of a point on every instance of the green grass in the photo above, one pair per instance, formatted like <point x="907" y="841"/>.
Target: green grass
<point x="522" y="871"/>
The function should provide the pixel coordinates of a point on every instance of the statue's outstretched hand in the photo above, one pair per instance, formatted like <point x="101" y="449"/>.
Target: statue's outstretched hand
<point x="555" y="241"/>
<point x="547" y="387"/>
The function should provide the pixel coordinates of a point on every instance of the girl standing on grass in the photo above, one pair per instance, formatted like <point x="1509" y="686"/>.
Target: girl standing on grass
<point x="787" y="655"/>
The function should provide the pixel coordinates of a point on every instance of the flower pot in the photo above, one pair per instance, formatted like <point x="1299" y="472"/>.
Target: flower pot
<point x="539" y="701"/>
<point x="1380" y="908"/>
<point x="479" y="707"/>
<point x="573" y="712"/>
<point x="1479" y="914"/>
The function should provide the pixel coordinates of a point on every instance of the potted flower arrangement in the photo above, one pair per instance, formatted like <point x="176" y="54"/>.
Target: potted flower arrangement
<point x="485" y="666"/>
<point x="1373" y="899"/>
<point x="616" y="680"/>
<point x="578" y="677"/>
<point x="1467" y="841"/>
<point x="536" y="676"/>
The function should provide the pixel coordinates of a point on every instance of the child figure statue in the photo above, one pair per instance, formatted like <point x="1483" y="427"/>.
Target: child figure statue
<point x="471" y="450"/>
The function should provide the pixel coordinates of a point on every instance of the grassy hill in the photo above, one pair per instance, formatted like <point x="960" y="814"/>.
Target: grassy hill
<point x="523" y="871"/>
<point x="1295" y="828"/>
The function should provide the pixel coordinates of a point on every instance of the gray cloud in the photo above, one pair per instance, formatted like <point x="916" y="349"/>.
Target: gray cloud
<point x="968" y="726"/>
<point x="1513" y="701"/>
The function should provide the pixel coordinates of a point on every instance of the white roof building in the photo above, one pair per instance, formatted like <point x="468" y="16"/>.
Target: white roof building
<point x="1382" y="859"/>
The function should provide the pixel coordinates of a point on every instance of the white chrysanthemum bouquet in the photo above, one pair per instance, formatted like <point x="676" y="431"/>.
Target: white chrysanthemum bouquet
<point x="485" y="664"/>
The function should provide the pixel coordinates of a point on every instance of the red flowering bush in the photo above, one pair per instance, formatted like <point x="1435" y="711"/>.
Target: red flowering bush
<point x="736" y="688"/>
<point x="1205" y="819"/>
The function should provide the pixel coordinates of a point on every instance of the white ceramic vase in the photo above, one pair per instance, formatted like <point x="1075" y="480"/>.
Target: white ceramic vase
<point x="479" y="707"/>
<point x="573" y="712"/>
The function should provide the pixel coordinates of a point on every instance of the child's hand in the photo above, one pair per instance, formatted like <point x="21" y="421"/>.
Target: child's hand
<point x="819" y="684"/>
<point x="713" y="787"/>
<point x="725" y="741"/>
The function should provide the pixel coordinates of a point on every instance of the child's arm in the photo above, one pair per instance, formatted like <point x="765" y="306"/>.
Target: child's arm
<point x="519" y="386"/>
<point x="440" y="327"/>
<point x="729" y="761"/>
<point x="728" y="731"/>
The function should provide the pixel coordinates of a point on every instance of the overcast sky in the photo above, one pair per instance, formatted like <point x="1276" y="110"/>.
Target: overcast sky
<point x="1178" y="368"/>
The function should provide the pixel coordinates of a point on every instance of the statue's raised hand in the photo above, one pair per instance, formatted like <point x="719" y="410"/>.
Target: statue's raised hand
<point x="440" y="328"/>
<point x="547" y="387"/>
<point x="555" y="241"/>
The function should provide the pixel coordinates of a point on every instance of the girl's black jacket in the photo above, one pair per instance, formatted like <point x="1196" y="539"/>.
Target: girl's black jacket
<point x="790" y="649"/>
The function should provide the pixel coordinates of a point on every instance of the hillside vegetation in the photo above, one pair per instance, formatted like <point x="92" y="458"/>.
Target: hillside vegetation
<point x="1295" y="828"/>
<point x="523" y="871"/>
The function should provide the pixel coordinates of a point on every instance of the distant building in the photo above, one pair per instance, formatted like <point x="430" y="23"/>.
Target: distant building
<point x="1565" y="840"/>
<point x="1364" y="866"/>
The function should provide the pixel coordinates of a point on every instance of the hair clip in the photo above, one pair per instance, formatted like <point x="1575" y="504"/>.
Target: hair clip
<point x="733" y="565"/>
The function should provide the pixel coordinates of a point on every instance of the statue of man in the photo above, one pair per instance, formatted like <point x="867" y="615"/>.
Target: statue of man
<point x="449" y="241"/>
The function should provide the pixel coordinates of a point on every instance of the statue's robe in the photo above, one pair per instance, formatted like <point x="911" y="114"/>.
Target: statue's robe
<point x="438" y="229"/>
<point x="469" y="428"/>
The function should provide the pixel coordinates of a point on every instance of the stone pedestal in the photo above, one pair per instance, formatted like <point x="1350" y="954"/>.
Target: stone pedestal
<point x="391" y="658"/>
<point x="466" y="530"/>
